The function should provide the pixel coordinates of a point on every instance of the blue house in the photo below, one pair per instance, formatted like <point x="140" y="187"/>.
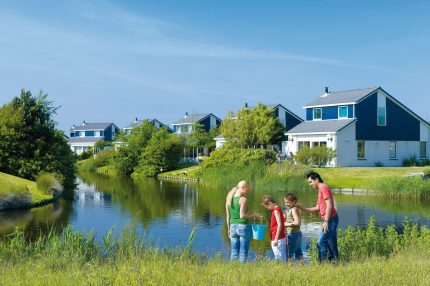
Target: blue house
<point x="86" y="135"/>
<point x="137" y="122"/>
<point x="287" y="118"/>
<point x="364" y="126"/>
<point x="187" y="124"/>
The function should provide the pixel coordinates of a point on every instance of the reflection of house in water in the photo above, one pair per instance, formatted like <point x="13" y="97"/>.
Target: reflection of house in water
<point x="89" y="195"/>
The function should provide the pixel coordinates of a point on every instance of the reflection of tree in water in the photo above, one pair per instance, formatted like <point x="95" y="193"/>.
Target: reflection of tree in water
<point x="144" y="198"/>
<point x="37" y="221"/>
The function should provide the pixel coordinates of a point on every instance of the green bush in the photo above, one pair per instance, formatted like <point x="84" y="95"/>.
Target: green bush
<point x="411" y="161"/>
<point x="46" y="181"/>
<point x="162" y="154"/>
<point x="88" y="153"/>
<point x="16" y="190"/>
<point x="229" y="155"/>
<point x="87" y="165"/>
<point x="317" y="156"/>
<point x="379" y="164"/>
<point x="104" y="158"/>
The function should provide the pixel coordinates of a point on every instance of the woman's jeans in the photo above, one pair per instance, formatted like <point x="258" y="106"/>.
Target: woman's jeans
<point x="327" y="242"/>
<point x="295" y="245"/>
<point x="240" y="236"/>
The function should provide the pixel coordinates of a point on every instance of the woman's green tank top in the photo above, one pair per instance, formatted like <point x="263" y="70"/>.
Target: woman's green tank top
<point x="290" y="218"/>
<point x="234" y="209"/>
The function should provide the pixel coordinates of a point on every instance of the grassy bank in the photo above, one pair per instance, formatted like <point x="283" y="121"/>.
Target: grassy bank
<point x="375" y="257"/>
<point x="359" y="177"/>
<point x="15" y="191"/>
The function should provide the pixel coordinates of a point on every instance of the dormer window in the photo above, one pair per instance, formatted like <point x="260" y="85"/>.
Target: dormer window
<point x="317" y="113"/>
<point x="343" y="111"/>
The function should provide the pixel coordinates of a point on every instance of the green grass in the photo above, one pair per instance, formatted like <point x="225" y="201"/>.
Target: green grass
<point x="376" y="257"/>
<point x="185" y="172"/>
<point x="11" y="185"/>
<point x="359" y="177"/>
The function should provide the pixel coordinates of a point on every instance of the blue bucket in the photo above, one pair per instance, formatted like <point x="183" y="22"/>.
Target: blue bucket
<point x="258" y="231"/>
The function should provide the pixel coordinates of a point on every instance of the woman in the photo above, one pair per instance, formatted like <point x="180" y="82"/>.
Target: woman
<point x="239" y="229"/>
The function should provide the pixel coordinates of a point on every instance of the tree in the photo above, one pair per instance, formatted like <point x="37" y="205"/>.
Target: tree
<point x="255" y="126"/>
<point x="29" y="141"/>
<point x="163" y="153"/>
<point x="130" y="151"/>
<point x="200" y="138"/>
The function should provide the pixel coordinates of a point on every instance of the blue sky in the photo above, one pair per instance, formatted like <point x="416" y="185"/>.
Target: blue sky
<point x="106" y="61"/>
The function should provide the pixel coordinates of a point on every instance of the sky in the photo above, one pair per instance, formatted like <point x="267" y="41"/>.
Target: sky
<point x="113" y="61"/>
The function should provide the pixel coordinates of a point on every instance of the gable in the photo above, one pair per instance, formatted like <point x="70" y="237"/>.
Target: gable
<point x="400" y="124"/>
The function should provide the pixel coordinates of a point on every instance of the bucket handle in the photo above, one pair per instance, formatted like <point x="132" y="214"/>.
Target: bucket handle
<point x="262" y="220"/>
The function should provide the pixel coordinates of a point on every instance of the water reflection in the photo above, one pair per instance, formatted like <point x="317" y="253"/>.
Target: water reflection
<point x="167" y="212"/>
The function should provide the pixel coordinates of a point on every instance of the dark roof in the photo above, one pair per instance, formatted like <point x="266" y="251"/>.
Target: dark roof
<point x="139" y="122"/>
<point x="193" y="118"/>
<point x="342" y="97"/>
<point x="84" y="139"/>
<point x="321" y="126"/>
<point x="91" y="126"/>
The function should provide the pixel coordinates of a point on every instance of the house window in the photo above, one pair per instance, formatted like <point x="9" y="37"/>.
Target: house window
<point x="343" y="111"/>
<point x="381" y="110"/>
<point x="315" y="144"/>
<point x="77" y="134"/>
<point x="317" y="113"/>
<point x="303" y="144"/>
<point x="89" y="133"/>
<point x="382" y="120"/>
<point x="423" y="150"/>
<point x="361" y="152"/>
<point x="102" y="133"/>
<point x="392" y="150"/>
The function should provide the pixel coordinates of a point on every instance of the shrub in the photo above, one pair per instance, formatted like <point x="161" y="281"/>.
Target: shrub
<point x="229" y="155"/>
<point x="87" y="165"/>
<point x="379" y="164"/>
<point x="104" y="158"/>
<point x="426" y="172"/>
<point x="88" y="153"/>
<point x="318" y="156"/>
<point x="163" y="153"/>
<point x="411" y="161"/>
<point x="46" y="181"/>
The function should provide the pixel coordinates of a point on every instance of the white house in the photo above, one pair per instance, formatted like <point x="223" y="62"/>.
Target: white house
<point x="364" y="126"/>
<point x="86" y="135"/>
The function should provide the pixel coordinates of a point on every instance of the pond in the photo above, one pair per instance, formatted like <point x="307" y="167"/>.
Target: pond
<point x="166" y="212"/>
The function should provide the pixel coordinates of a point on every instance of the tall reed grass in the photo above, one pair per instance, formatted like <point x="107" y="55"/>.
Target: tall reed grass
<point x="401" y="187"/>
<point x="375" y="257"/>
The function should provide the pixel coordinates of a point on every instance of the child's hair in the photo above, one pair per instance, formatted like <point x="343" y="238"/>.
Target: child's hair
<point x="291" y="197"/>
<point x="268" y="199"/>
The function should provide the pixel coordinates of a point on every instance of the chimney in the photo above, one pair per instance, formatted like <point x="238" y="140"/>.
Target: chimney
<point x="83" y="123"/>
<point x="326" y="90"/>
<point x="186" y="115"/>
<point x="135" y="121"/>
<point x="246" y="104"/>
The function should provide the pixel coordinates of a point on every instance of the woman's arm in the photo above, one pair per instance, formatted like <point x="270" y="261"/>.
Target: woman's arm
<point x="227" y="216"/>
<point x="244" y="209"/>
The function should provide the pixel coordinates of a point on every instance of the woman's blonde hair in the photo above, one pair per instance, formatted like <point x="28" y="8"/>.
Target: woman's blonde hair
<point x="240" y="185"/>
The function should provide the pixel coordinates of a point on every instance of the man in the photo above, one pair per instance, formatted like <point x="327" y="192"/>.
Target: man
<point x="327" y="241"/>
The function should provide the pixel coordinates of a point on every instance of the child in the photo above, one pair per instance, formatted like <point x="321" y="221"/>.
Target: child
<point x="277" y="228"/>
<point x="292" y="223"/>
